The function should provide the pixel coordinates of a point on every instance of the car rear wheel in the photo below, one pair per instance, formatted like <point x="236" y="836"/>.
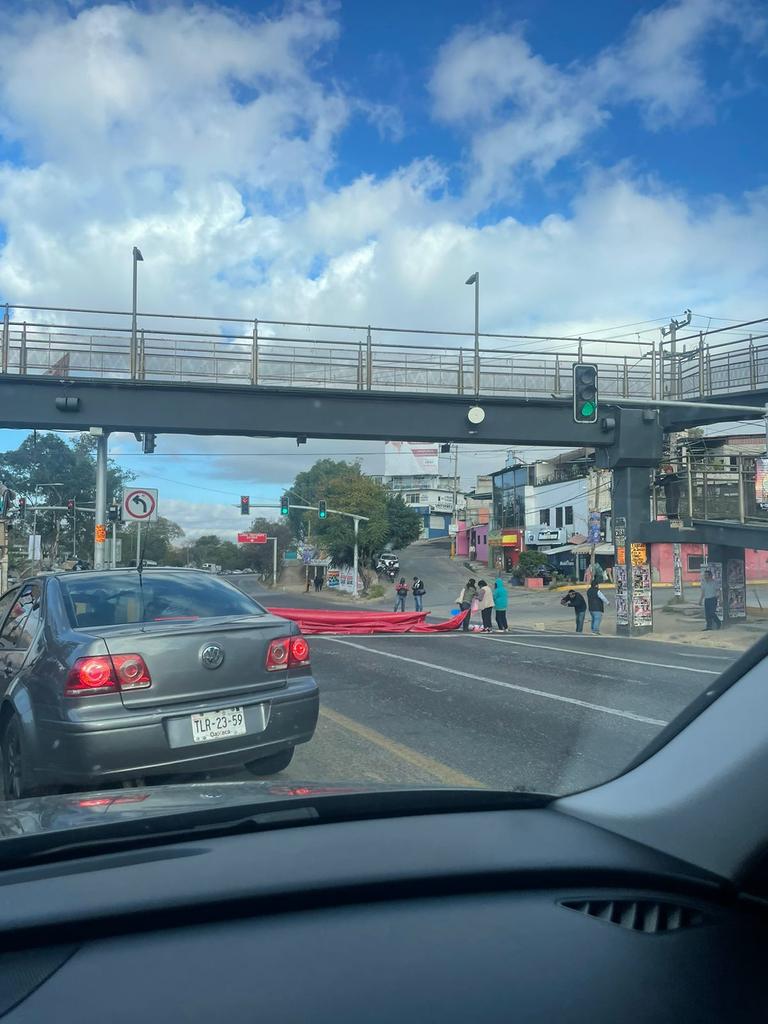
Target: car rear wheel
<point x="12" y="761"/>
<point x="271" y="765"/>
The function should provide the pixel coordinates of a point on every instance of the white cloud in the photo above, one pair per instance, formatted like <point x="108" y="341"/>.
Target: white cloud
<point x="523" y="114"/>
<point x="205" y="138"/>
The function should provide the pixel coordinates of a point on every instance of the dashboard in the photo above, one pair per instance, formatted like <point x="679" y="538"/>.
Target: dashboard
<point x="521" y="915"/>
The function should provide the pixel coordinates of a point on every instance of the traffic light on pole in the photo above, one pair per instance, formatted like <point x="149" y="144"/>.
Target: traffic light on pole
<point x="22" y="507"/>
<point x="285" y="505"/>
<point x="322" y="510"/>
<point x="245" y="505"/>
<point x="584" y="393"/>
<point x="149" y="442"/>
<point x="70" y="506"/>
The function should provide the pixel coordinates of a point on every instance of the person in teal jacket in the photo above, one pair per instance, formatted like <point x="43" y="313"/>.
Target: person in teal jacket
<point x="500" y="605"/>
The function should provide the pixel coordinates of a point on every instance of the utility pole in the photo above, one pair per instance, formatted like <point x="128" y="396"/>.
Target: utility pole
<point x="671" y="330"/>
<point x="100" y="527"/>
<point x="137" y="258"/>
<point x="455" y="499"/>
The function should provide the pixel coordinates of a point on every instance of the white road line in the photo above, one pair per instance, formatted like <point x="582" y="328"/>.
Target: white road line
<point x="508" y="686"/>
<point x="592" y="654"/>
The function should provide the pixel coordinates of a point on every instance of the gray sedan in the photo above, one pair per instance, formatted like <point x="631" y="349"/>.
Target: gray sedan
<point x="116" y="675"/>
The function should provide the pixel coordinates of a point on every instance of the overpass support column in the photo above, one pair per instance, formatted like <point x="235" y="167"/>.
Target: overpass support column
<point x="100" y="529"/>
<point x="632" y="571"/>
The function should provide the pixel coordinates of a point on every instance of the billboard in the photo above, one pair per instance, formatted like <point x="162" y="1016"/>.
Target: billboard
<point x="401" y="458"/>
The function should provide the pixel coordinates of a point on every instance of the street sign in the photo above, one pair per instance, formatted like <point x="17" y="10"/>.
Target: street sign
<point x="140" y="504"/>
<point x="251" y="538"/>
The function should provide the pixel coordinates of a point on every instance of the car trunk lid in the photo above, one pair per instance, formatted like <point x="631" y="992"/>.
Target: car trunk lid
<point x="202" y="660"/>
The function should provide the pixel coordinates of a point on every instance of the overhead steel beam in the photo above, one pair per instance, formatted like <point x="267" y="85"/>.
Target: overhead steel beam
<point x="705" y="531"/>
<point x="43" y="403"/>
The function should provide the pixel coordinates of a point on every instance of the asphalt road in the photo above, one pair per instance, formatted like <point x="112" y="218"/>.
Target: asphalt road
<point x="541" y="712"/>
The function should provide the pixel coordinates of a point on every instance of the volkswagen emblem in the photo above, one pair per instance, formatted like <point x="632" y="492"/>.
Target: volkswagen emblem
<point x="212" y="655"/>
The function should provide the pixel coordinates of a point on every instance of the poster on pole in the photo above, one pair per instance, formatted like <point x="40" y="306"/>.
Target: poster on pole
<point x="622" y="609"/>
<point x="34" y="547"/>
<point x="716" y="568"/>
<point x="737" y="589"/>
<point x="761" y="483"/>
<point x="642" y="601"/>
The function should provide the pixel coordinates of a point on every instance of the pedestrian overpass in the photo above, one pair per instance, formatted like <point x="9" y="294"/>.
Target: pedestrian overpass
<point x="73" y="369"/>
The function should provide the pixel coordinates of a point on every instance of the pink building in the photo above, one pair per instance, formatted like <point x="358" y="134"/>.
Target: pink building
<point x="755" y="562"/>
<point x="473" y="536"/>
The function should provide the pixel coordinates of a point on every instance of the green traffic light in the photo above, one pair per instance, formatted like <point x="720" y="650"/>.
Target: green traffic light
<point x="588" y="409"/>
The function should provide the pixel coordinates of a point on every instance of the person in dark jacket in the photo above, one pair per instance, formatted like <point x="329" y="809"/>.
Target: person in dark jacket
<point x="574" y="600"/>
<point x="401" y="592"/>
<point x="418" y="590"/>
<point x="669" y="481"/>
<point x="464" y="601"/>
<point x="597" y="602"/>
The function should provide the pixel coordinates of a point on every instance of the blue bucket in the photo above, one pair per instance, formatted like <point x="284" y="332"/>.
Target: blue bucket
<point x="455" y="611"/>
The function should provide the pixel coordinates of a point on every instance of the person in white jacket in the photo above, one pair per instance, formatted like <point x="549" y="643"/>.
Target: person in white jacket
<point x="485" y="604"/>
<point x="597" y="602"/>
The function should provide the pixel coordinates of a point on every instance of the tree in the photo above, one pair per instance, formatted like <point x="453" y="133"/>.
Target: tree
<point x="158" y="541"/>
<point x="404" y="523"/>
<point x="47" y="470"/>
<point x="316" y="483"/>
<point x="259" y="556"/>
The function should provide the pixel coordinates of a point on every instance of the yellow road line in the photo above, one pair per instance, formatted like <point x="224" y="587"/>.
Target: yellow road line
<point x="448" y="776"/>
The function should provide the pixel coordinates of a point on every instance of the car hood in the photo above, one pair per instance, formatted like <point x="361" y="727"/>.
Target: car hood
<point x="56" y="813"/>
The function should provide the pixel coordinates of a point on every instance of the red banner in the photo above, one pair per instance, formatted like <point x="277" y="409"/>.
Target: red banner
<point x="252" y="538"/>
<point x="311" y="621"/>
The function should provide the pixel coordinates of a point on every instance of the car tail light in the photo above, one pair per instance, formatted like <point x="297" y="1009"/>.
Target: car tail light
<point x="92" y="676"/>
<point x="299" y="652"/>
<point x="89" y="676"/>
<point x="277" y="654"/>
<point x="132" y="671"/>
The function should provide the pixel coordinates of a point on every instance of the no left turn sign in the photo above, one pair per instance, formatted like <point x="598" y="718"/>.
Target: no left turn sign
<point x="140" y="504"/>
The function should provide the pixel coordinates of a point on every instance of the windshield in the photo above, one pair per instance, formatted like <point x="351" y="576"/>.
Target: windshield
<point x="385" y="392"/>
<point x="102" y="600"/>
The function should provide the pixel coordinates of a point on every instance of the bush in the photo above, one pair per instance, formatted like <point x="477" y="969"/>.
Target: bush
<point x="376" y="591"/>
<point x="529" y="563"/>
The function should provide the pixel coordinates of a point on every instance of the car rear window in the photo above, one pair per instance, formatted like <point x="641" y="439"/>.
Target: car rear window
<point x="121" y="599"/>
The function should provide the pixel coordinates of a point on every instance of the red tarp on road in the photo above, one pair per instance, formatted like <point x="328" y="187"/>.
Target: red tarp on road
<point x="310" y="620"/>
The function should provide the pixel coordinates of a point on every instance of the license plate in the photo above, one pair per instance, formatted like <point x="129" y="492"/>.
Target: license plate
<point x="218" y="725"/>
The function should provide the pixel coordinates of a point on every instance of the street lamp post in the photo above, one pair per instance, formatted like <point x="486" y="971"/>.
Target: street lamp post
<point x="475" y="280"/>
<point x="137" y="258"/>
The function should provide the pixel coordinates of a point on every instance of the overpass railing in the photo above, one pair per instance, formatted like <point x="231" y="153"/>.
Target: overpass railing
<point x="727" y="490"/>
<point x="75" y="343"/>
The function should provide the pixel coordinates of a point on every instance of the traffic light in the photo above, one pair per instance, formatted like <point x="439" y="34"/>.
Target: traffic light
<point x="70" y="506"/>
<point x="113" y="515"/>
<point x="584" y="393"/>
<point x="322" y="510"/>
<point x="148" y="444"/>
<point x="245" y="505"/>
<point x="22" y="507"/>
<point x="285" y="505"/>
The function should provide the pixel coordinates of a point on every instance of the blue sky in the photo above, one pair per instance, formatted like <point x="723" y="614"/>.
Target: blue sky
<point x="600" y="164"/>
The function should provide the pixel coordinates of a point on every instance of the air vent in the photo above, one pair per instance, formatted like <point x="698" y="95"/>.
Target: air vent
<point x="650" y="916"/>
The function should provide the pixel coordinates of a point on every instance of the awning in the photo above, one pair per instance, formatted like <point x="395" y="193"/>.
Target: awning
<point x="582" y="549"/>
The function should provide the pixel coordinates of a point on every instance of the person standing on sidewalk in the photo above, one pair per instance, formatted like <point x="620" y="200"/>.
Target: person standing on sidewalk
<point x="710" y="591"/>
<point x="597" y="602"/>
<point x="573" y="599"/>
<point x="401" y="592"/>
<point x="485" y="603"/>
<point x="418" y="590"/>
<point x="500" y="599"/>
<point x="464" y="601"/>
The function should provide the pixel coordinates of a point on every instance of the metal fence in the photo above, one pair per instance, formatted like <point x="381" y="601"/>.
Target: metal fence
<point x="73" y="343"/>
<point x="721" y="490"/>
